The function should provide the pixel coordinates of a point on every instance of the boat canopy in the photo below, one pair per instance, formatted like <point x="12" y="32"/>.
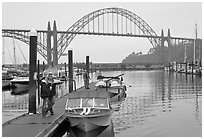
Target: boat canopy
<point x="88" y="99"/>
<point x="89" y="94"/>
<point x="76" y="103"/>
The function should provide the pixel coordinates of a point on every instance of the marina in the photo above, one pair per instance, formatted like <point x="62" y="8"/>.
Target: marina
<point x="154" y="97"/>
<point x="101" y="87"/>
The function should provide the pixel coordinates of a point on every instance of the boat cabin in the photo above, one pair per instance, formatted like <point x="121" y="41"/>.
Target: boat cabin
<point x="79" y="101"/>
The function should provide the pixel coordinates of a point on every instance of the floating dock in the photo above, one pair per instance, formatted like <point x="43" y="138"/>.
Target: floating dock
<point x="34" y="125"/>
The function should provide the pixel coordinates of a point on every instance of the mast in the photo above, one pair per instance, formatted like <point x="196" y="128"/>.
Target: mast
<point x="185" y="57"/>
<point x="14" y="53"/>
<point x="3" y="53"/>
<point x="194" y="56"/>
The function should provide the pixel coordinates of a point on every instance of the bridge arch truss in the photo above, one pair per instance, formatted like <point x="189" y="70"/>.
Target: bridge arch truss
<point x="23" y="36"/>
<point x="103" y="21"/>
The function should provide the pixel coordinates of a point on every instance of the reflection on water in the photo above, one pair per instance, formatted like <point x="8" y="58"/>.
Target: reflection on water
<point x="160" y="104"/>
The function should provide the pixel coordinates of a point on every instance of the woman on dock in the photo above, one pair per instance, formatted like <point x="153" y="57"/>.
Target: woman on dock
<point x="48" y="91"/>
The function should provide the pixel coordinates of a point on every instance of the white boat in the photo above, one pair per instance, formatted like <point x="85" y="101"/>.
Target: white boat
<point x="114" y="86"/>
<point x="20" y="82"/>
<point x="88" y="111"/>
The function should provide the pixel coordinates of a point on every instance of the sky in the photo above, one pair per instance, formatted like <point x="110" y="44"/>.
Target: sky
<point x="179" y="17"/>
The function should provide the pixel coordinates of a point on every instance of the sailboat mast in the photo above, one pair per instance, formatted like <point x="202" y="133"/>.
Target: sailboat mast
<point x="14" y="53"/>
<point x="194" y="56"/>
<point x="3" y="53"/>
<point x="185" y="58"/>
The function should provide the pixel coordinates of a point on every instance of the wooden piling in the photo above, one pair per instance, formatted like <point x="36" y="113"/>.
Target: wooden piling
<point x="32" y="70"/>
<point x="38" y="76"/>
<point x="87" y="64"/>
<point x="70" y="62"/>
<point x="192" y="66"/>
<point x="65" y="68"/>
<point x="176" y="67"/>
<point x="43" y="65"/>
<point x="87" y="67"/>
<point x="169" y="67"/>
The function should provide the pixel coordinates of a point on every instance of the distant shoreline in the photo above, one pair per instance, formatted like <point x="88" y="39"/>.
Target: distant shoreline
<point x="129" y="69"/>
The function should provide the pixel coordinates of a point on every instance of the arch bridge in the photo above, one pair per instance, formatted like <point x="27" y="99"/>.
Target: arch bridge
<point x="107" y="21"/>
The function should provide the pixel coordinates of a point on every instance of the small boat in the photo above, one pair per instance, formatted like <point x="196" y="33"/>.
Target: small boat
<point x="88" y="111"/>
<point x="114" y="86"/>
<point x="6" y="79"/>
<point x="20" y="90"/>
<point x="5" y="83"/>
<point x="20" y="82"/>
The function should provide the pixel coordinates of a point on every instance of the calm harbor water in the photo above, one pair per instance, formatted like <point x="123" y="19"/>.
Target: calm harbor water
<point x="158" y="104"/>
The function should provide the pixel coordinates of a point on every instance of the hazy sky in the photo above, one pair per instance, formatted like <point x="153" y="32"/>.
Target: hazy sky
<point x="180" y="17"/>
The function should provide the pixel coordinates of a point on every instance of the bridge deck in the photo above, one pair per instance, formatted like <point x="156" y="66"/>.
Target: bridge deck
<point x="34" y="125"/>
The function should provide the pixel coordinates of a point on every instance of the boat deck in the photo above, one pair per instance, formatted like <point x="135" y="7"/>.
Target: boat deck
<point x="35" y="125"/>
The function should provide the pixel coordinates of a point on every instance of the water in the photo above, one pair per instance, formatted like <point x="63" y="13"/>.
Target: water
<point x="158" y="104"/>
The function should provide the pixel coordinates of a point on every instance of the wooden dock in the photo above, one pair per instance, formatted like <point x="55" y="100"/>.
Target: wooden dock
<point x="35" y="125"/>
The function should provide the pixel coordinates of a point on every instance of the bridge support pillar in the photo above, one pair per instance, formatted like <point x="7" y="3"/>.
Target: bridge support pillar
<point x="162" y="47"/>
<point x="55" y="59"/>
<point x="49" y="34"/>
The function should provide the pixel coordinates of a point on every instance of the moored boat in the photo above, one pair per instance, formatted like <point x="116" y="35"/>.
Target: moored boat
<point x="114" y="86"/>
<point x="20" y="82"/>
<point x="6" y="79"/>
<point x="20" y="90"/>
<point x="87" y="111"/>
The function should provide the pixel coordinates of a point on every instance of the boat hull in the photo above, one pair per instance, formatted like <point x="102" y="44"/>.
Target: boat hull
<point x="103" y="131"/>
<point x="20" y="84"/>
<point x="89" y="122"/>
<point x="5" y="83"/>
<point x="117" y="93"/>
<point x="117" y="96"/>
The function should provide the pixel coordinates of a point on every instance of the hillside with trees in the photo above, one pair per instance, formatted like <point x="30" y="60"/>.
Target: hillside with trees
<point x="171" y="54"/>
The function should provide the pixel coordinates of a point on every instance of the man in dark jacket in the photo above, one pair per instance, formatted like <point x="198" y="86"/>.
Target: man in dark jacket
<point x="48" y="91"/>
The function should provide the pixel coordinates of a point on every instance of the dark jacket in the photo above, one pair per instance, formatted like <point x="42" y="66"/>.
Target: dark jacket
<point x="47" y="89"/>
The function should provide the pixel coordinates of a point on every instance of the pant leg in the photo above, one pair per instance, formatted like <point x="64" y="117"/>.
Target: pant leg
<point x="50" y="104"/>
<point x="44" y="109"/>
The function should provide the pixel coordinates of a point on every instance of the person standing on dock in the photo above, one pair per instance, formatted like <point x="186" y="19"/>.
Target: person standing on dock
<point x="48" y="91"/>
<point x="86" y="80"/>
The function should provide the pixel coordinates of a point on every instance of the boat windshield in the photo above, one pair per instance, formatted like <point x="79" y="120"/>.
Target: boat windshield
<point x="87" y="103"/>
<point x="101" y="103"/>
<point x="74" y="103"/>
